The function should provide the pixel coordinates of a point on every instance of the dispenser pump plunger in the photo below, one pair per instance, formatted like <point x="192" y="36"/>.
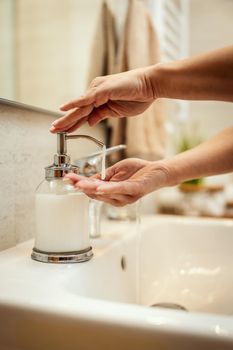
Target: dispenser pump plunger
<point x="61" y="165"/>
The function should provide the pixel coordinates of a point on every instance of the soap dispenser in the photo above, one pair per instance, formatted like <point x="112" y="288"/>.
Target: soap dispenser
<point x="62" y="230"/>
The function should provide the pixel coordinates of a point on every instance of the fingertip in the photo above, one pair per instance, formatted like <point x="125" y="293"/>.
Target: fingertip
<point x="109" y="174"/>
<point x="63" y="108"/>
<point x="96" y="176"/>
<point x="52" y="129"/>
<point x="90" y="123"/>
<point x="101" y="189"/>
<point x="55" y="122"/>
<point x="73" y="177"/>
<point x="68" y="180"/>
<point x="67" y="106"/>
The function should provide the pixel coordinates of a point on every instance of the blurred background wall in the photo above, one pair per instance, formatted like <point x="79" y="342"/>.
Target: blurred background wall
<point x="211" y="27"/>
<point x="53" y="49"/>
<point x="46" y="47"/>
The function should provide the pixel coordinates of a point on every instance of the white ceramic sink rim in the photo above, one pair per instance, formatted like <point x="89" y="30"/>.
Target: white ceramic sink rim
<point x="76" y="307"/>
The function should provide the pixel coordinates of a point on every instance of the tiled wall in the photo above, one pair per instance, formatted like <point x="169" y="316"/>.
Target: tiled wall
<point x="26" y="147"/>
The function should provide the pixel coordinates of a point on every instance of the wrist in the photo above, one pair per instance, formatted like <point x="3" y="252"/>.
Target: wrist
<point x="162" y="78"/>
<point x="165" y="174"/>
<point x="157" y="78"/>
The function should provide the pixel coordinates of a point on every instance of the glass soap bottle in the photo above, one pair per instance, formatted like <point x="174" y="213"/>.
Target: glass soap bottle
<point x="62" y="212"/>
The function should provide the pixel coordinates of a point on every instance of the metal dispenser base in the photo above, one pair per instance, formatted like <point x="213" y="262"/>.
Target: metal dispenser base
<point x="62" y="258"/>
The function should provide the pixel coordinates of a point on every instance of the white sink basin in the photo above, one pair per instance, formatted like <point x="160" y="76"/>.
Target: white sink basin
<point x="103" y="303"/>
<point x="188" y="262"/>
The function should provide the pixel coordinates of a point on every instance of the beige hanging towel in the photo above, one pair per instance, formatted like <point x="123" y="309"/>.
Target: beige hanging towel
<point x="138" y="46"/>
<point x="144" y="134"/>
<point x="103" y="49"/>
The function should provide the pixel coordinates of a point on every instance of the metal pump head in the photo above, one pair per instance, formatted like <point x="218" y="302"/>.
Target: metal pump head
<point x="61" y="165"/>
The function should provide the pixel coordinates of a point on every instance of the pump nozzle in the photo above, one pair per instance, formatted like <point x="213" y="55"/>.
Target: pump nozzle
<point x="61" y="165"/>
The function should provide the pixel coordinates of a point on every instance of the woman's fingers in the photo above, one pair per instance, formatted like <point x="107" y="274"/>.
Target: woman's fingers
<point x="108" y="192"/>
<point x="77" y="125"/>
<point x="71" y="118"/>
<point x="54" y="129"/>
<point x="82" y="101"/>
<point x="100" y="113"/>
<point x="121" y="187"/>
<point x="109" y="173"/>
<point x="77" y="117"/>
<point x="88" y="184"/>
<point x="96" y="176"/>
<point x="99" y="187"/>
<point x="73" y="178"/>
<point x="86" y="99"/>
<point x="113" y="174"/>
<point x="110" y="188"/>
<point x="117" y="201"/>
<point x="95" y="95"/>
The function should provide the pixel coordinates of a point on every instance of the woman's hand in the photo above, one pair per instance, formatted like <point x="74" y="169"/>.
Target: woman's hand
<point x="118" y="95"/>
<point x="125" y="182"/>
<point x="207" y="76"/>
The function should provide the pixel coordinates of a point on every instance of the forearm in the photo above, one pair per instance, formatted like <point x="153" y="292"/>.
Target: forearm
<point x="212" y="157"/>
<point x="205" y="77"/>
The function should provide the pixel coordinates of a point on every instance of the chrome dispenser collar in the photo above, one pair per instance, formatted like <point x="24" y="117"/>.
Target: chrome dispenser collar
<point x="61" y="164"/>
<point x="66" y="257"/>
<point x="54" y="172"/>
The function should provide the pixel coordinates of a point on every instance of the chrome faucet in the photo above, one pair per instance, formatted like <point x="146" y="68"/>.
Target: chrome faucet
<point x="89" y="166"/>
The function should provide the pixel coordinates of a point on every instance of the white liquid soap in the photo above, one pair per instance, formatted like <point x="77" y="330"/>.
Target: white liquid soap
<point x="62" y="222"/>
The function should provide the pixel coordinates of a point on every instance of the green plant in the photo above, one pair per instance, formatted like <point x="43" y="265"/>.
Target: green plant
<point x="185" y="144"/>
